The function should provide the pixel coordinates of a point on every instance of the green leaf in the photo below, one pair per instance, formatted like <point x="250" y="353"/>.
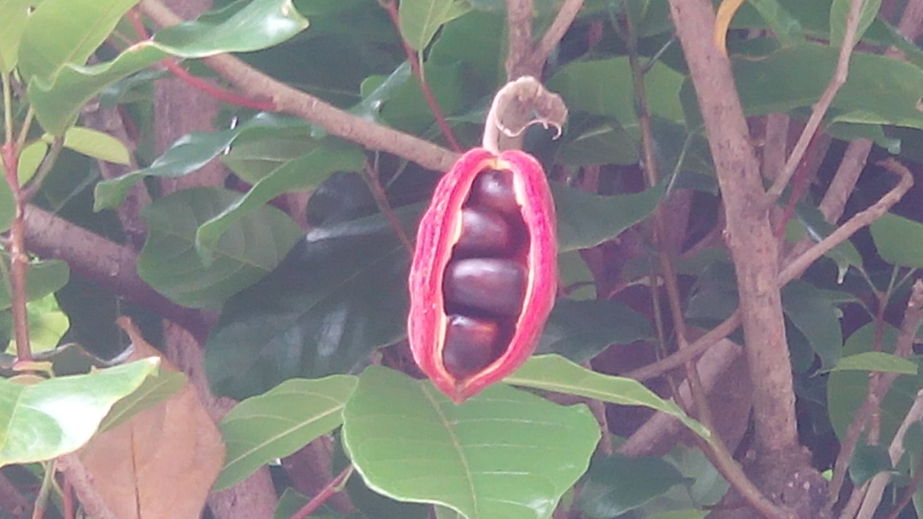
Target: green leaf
<point x="586" y="220"/>
<point x="303" y="173"/>
<point x="189" y="153"/>
<point x="779" y="20"/>
<point x="876" y="361"/>
<point x="241" y="27"/>
<point x="604" y="88"/>
<point x="420" y="19"/>
<point x="504" y="454"/>
<point x="555" y="373"/>
<point x="847" y="390"/>
<point x="96" y="144"/>
<point x="47" y="324"/>
<point x="279" y="422"/>
<point x="867" y="461"/>
<point x="251" y="248"/>
<point x="340" y="294"/>
<point x="155" y="389"/>
<point x="597" y="142"/>
<point x="29" y="160"/>
<point x="899" y="240"/>
<point x="60" y="32"/>
<point x="839" y="11"/>
<point x="795" y="77"/>
<point x="617" y="484"/>
<point x="253" y="159"/>
<point x="45" y="420"/>
<point x="817" y="317"/>
<point x="43" y="278"/>
<point x="13" y="18"/>
<point x="580" y="330"/>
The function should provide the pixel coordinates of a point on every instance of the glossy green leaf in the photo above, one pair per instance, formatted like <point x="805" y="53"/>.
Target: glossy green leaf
<point x="580" y="330"/>
<point x="604" y="88"/>
<point x="251" y="248"/>
<point x="617" y="484"/>
<point x="899" y="240"/>
<point x="253" y="159"/>
<point x="42" y="421"/>
<point x="808" y="67"/>
<point x="241" y="27"/>
<point x="783" y="25"/>
<point x="876" y="361"/>
<point x="586" y="220"/>
<point x="597" y="142"/>
<point x="303" y="173"/>
<point x="96" y="144"/>
<point x="847" y="390"/>
<point x="555" y="373"/>
<point x="420" y="19"/>
<point x="503" y="454"/>
<point x="30" y="159"/>
<point x="155" y="389"/>
<point x="279" y="422"/>
<point x="62" y="32"/>
<point x="839" y="11"/>
<point x="47" y="324"/>
<point x="340" y="294"/>
<point x="867" y="461"/>
<point x="13" y="18"/>
<point x="189" y="153"/>
<point x="817" y="318"/>
<point x="43" y="278"/>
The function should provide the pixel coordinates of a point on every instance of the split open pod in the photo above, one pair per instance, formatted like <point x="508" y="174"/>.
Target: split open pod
<point x="484" y="274"/>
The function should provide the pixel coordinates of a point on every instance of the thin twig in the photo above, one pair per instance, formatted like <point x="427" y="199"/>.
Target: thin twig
<point x="895" y="452"/>
<point x="381" y="199"/>
<point x="417" y="68"/>
<point x="556" y="31"/>
<point x="840" y="74"/>
<point x="879" y="385"/>
<point x="19" y="258"/>
<point x="290" y="100"/>
<point x="335" y="485"/>
<point x="792" y="270"/>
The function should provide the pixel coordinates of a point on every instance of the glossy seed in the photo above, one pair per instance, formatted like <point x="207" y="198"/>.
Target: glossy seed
<point x="490" y="285"/>
<point x="494" y="189"/>
<point x="485" y="233"/>
<point x="470" y="345"/>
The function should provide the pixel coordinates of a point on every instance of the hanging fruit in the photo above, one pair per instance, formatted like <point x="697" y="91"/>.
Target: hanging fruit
<point x="483" y="277"/>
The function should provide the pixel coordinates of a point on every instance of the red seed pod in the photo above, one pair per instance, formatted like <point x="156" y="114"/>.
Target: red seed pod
<point x="483" y="277"/>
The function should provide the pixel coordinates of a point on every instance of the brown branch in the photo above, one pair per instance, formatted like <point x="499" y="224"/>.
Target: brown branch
<point x="823" y="104"/>
<point x="254" y="83"/>
<point x="519" y="15"/>
<point x="750" y="239"/>
<point x="556" y="31"/>
<point x="19" y="259"/>
<point x="845" y="178"/>
<point x="112" y="266"/>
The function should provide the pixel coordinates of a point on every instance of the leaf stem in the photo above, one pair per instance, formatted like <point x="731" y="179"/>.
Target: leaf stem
<point x="335" y="485"/>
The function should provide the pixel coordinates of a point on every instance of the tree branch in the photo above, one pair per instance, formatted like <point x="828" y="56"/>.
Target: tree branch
<point x="254" y="83"/>
<point x="112" y="266"/>
<point x="556" y="31"/>
<point x="750" y="237"/>
<point x="823" y="104"/>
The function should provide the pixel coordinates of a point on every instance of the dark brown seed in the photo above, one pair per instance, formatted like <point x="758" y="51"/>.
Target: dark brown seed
<point x="494" y="189"/>
<point x="493" y="286"/>
<point x="485" y="233"/>
<point x="470" y="345"/>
